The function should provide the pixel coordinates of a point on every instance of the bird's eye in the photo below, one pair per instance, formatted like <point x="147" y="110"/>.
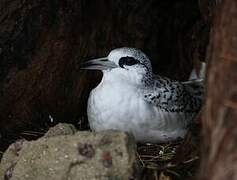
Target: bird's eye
<point x="128" y="61"/>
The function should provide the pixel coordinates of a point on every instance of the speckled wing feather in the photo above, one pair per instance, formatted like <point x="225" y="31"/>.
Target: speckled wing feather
<point x="175" y="96"/>
<point x="195" y="87"/>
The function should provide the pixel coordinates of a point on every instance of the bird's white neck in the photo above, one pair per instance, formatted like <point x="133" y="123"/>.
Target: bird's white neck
<point x="117" y="76"/>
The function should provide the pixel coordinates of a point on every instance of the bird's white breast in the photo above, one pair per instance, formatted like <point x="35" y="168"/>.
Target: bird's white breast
<point x="114" y="105"/>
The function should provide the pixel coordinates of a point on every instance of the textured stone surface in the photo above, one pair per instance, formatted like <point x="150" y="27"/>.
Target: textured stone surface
<point x="84" y="155"/>
<point x="61" y="129"/>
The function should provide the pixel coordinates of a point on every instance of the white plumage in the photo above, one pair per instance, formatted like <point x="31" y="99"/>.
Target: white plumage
<point x="130" y="98"/>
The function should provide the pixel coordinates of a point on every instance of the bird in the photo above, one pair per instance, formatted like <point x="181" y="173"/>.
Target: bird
<point x="130" y="98"/>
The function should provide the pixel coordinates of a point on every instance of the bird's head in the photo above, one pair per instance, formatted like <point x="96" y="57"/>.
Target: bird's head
<point x="129" y="64"/>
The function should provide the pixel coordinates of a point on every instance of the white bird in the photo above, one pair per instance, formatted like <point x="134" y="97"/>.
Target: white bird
<point x="130" y="98"/>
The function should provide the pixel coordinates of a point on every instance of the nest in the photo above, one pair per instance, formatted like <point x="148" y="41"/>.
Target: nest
<point x="178" y="160"/>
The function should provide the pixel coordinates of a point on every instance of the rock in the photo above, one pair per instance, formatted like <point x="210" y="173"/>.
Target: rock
<point x="80" y="156"/>
<point x="11" y="156"/>
<point x="61" y="129"/>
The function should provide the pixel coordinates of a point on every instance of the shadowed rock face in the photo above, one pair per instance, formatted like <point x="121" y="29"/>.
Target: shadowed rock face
<point x="42" y="44"/>
<point x="220" y="110"/>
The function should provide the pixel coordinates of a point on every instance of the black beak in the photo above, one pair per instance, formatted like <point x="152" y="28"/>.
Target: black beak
<point x="99" y="64"/>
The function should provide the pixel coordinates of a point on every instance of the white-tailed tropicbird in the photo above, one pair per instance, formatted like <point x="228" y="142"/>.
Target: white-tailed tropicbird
<point x="130" y="98"/>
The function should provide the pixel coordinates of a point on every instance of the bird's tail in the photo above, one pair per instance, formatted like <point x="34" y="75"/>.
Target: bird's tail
<point x="195" y="82"/>
<point x="197" y="75"/>
<point x="198" y="71"/>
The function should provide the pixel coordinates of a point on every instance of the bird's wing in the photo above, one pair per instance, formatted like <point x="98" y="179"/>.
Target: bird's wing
<point x="165" y="93"/>
<point x="195" y="87"/>
<point x="174" y="96"/>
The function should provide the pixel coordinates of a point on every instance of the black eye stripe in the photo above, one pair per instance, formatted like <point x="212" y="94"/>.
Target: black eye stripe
<point x="128" y="61"/>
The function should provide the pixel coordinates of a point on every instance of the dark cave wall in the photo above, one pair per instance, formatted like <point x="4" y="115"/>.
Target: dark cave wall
<point x="42" y="44"/>
<point x="219" y="150"/>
